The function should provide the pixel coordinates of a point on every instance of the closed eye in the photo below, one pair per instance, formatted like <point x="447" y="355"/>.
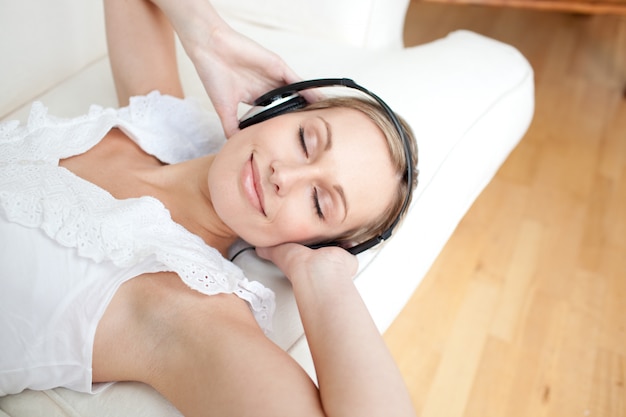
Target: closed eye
<point x="302" y="141"/>
<point x="316" y="204"/>
<point x="316" y="201"/>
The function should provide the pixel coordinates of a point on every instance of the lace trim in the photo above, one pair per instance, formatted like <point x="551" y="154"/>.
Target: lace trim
<point x="37" y="193"/>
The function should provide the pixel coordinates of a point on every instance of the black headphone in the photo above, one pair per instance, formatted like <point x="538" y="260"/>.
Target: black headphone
<point x="286" y="99"/>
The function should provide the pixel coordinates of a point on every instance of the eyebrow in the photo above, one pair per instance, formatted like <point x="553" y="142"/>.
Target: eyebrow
<point x="341" y="193"/>
<point x="329" y="134"/>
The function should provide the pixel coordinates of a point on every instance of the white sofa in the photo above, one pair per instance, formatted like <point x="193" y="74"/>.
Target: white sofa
<point x="468" y="98"/>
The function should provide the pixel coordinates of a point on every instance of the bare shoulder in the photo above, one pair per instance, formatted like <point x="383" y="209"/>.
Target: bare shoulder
<point x="198" y="351"/>
<point x="153" y="315"/>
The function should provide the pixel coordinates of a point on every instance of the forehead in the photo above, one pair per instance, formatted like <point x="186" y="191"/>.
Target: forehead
<point x="363" y="162"/>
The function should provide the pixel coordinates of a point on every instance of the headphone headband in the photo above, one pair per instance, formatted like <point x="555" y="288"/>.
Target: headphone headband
<point x="286" y="98"/>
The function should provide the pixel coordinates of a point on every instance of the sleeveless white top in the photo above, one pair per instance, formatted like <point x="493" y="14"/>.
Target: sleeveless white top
<point x="66" y="245"/>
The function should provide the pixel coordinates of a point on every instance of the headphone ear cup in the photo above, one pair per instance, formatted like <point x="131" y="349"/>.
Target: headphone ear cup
<point x="273" y="110"/>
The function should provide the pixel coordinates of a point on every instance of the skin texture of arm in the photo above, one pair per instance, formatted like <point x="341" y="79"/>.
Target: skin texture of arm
<point x="357" y="375"/>
<point x="141" y="49"/>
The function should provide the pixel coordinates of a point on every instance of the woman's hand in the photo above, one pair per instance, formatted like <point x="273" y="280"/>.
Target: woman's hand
<point x="299" y="262"/>
<point x="234" y="69"/>
<point x="343" y="338"/>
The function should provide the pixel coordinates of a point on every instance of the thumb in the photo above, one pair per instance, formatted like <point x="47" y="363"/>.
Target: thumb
<point x="228" y="117"/>
<point x="231" y="126"/>
<point x="281" y="255"/>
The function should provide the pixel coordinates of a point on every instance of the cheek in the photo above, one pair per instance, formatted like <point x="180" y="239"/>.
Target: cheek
<point x="220" y="188"/>
<point x="298" y="231"/>
<point x="292" y="224"/>
<point x="276" y="234"/>
<point x="226" y="197"/>
<point x="289" y="225"/>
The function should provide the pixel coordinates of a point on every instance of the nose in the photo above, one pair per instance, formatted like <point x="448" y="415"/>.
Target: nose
<point x="285" y="176"/>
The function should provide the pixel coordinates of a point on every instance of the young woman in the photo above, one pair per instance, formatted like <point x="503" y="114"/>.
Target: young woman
<point x="114" y="225"/>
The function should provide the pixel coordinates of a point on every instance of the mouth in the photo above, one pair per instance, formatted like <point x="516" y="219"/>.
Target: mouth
<point x="252" y="185"/>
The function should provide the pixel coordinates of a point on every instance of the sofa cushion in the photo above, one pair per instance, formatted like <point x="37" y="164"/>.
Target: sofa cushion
<point x="40" y="47"/>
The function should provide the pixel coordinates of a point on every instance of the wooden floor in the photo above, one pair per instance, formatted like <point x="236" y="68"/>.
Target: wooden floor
<point x="524" y="312"/>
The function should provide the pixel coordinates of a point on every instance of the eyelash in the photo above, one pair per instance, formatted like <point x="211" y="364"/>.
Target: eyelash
<point x="316" y="205"/>
<point x="302" y="141"/>
<point x="314" y="197"/>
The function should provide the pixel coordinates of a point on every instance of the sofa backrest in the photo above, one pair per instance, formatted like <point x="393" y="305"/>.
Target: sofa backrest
<point x="360" y="23"/>
<point x="45" y="42"/>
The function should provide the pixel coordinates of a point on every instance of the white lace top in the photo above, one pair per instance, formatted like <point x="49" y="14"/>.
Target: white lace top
<point x="35" y="192"/>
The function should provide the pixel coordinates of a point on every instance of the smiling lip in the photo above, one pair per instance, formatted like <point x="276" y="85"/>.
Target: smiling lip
<point x="252" y="185"/>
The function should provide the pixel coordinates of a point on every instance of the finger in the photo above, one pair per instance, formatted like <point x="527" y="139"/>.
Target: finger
<point x="290" y="76"/>
<point x="311" y="95"/>
<point x="288" y="257"/>
<point x="264" y="253"/>
<point x="228" y="118"/>
<point x="280" y="254"/>
<point x="230" y="126"/>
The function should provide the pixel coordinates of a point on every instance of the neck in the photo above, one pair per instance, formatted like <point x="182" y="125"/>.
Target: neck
<point x="185" y="192"/>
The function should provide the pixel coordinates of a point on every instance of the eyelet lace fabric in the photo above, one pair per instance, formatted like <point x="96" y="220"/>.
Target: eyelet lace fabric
<point x="35" y="192"/>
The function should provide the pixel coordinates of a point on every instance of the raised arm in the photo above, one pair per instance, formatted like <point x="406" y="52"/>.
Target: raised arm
<point x="232" y="67"/>
<point x="141" y="49"/>
<point x="356" y="373"/>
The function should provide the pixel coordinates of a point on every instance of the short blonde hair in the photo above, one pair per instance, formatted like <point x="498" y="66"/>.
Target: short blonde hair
<point x="398" y="158"/>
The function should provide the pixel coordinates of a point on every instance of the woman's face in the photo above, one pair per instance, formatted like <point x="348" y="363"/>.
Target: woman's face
<point x="303" y="177"/>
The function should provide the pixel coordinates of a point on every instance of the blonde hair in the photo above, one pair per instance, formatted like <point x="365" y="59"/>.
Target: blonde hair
<point x="398" y="158"/>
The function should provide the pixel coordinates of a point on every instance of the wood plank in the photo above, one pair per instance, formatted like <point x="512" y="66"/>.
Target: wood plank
<point x="462" y="352"/>
<point x="572" y="6"/>
<point x="518" y="278"/>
